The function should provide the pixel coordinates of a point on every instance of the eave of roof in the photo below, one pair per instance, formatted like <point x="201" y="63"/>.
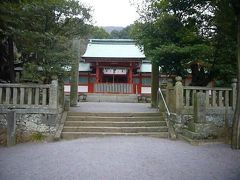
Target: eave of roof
<point x="114" y="48"/>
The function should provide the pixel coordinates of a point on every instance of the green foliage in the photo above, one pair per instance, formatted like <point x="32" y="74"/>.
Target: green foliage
<point x="37" y="136"/>
<point x="42" y="32"/>
<point x="225" y="42"/>
<point x="125" y="33"/>
<point x="99" y="33"/>
<point x="176" y="33"/>
<point x="29" y="74"/>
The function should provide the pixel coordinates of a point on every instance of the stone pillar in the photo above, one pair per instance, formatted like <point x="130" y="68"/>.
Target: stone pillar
<point x="74" y="72"/>
<point x="169" y="86"/>
<point x="234" y="93"/>
<point x="178" y="92"/>
<point x="199" y="128"/>
<point x="67" y="104"/>
<point x="53" y="99"/>
<point x="11" y="128"/>
<point x="199" y="107"/>
<point x="17" y="77"/>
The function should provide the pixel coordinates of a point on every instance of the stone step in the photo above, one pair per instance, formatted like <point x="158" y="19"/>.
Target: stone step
<point x="71" y="113"/>
<point x="197" y="142"/>
<point x="79" y="124"/>
<point x="114" y="129"/>
<point x="116" y="124"/>
<point x="74" y="135"/>
<point x="191" y="134"/>
<point x="121" y="98"/>
<point x="117" y="119"/>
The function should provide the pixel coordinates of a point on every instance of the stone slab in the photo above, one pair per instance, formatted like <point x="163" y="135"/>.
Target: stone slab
<point x="11" y="128"/>
<point x="201" y="127"/>
<point x="199" y="107"/>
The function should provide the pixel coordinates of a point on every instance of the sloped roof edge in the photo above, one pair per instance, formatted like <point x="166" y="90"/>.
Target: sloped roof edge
<point x="113" y="48"/>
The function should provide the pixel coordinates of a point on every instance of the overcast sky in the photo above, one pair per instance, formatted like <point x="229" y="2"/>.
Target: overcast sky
<point x="112" y="12"/>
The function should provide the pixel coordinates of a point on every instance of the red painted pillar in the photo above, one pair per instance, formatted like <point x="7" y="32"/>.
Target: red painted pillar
<point x="100" y="75"/>
<point x="130" y="74"/>
<point x="97" y="74"/>
<point x="140" y="84"/>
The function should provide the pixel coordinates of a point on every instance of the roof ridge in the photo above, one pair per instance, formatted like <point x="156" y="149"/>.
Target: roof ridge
<point x="112" y="41"/>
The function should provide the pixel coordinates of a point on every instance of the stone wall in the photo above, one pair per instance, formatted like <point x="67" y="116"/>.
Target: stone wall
<point x="37" y="109"/>
<point x="31" y="122"/>
<point x="200" y="112"/>
<point x="217" y="123"/>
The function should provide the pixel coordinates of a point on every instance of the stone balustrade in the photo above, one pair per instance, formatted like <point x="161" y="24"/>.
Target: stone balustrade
<point x="29" y="108"/>
<point x="181" y="98"/>
<point x="29" y="96"/>
<point x="200" y="112"/>
<point x="215" y="97"/>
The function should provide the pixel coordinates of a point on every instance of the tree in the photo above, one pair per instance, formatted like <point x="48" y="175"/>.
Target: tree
<point x="125" y="33"/>
<point x="236" y="119"/>
<point x="176" y="33"/>
<point x="98" y="33"/>
<point x="41" y="31"/>
<point x="224" y="42"/>
<point x="172" y="34"/>
<point x="203" y="31"/>
<point x="154" y="84"/>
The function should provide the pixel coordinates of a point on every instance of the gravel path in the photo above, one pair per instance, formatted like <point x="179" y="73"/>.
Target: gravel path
<point x="123" y="158"/>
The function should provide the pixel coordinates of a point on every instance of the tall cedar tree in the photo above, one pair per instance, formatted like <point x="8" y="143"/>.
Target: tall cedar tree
<point x="236" y="119"/>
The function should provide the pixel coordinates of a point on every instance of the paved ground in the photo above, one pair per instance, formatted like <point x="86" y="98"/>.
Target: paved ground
<point x="112" y="107"/>
<point x="119" y="158"/>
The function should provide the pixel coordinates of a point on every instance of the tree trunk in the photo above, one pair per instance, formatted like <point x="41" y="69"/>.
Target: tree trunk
<point x="155" y="84"/>
<point x="236" y="119"/>
<point x="11" y="60"/>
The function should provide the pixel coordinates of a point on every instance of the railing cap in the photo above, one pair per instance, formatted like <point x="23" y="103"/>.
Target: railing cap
<point x="234" y="80"/>
<point x="178" y="78"/>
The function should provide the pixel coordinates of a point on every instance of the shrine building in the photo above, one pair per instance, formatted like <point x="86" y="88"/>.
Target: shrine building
<point x="115" y="66"/>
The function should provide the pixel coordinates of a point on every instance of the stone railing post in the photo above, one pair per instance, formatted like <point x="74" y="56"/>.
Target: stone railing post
<point x="199" y="128"/>
<point x="66" y="104"/>
<point x="199" y="107"/>
<point x="178" y="92"/>
<point x="11" y="128"/>
<point x="234" y="92"/>
<point x="53" y="94"/>
<point x="169" y="86"/>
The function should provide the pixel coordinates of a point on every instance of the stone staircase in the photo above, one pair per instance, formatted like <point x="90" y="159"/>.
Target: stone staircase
<point x="114" y="124"/>
<point x="120" y="98"/>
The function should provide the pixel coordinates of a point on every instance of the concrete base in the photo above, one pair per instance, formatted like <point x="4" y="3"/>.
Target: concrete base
<point x="193" y="135"/>
<point x="206" y="133"/>
<point x="197" y="142"/>
<point x="122" y="98"/>
<point x="201" y="127"/>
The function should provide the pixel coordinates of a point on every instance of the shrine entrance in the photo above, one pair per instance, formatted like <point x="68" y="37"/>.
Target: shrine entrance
<point x="115" y="79"/>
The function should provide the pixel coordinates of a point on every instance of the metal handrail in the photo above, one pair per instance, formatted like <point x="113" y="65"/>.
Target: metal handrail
<point x="165" y="104"/>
